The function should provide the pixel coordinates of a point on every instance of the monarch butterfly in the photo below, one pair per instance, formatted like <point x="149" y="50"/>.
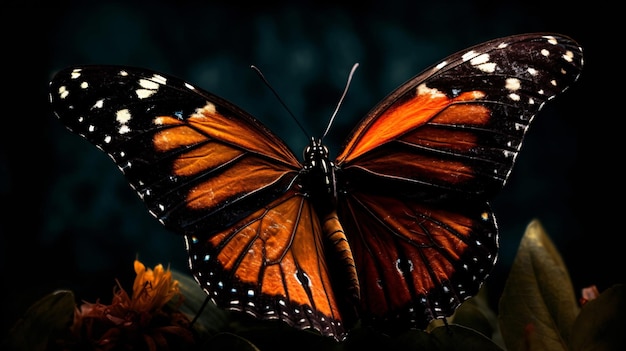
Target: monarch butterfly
<point x="395" y="231"/>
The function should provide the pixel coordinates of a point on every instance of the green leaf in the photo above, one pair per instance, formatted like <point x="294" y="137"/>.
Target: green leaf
<point x="600" y="324"/>
<point x="538" y="305"/>
<point x="476" y="314"/>
<point x="50" y="315"/>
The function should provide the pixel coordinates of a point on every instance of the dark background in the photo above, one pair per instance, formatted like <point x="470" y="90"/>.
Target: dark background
<point x="69" y="220"/>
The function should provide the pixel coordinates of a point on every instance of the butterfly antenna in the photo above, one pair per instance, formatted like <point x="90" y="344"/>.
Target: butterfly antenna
<point x="258" y="71"/>
<point x="345" y="91"/>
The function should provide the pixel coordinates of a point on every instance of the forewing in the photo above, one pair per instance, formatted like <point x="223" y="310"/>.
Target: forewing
<point x="197" y="161"/>
<point x="456" y="129"/>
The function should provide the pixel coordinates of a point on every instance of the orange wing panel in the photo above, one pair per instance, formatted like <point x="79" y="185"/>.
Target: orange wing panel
<point x="403" y="117"/>
<point x="406" y="251"/>
<point x="279" y="250"/>
<point x="232" y="131"/>
<point x="241" y="178"/>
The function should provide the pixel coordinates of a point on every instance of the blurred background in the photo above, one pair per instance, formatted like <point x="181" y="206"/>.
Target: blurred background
<point x="70" y="221"/>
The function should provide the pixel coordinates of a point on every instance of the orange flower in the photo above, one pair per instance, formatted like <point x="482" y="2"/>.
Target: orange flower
<point x="140" y="322"/>
<point x="152" y="288"/>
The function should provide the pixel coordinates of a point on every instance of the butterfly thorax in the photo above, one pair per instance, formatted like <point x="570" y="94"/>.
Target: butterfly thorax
<point x="319" y="177"/>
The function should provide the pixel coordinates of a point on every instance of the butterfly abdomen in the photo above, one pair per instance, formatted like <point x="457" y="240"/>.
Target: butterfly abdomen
<point x="336" y="237"/>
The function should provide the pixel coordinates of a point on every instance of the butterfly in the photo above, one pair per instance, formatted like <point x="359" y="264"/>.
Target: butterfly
<point x="395" y="231"/>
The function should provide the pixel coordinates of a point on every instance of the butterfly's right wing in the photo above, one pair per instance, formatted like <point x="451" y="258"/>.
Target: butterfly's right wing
<point x="418" y="172"/>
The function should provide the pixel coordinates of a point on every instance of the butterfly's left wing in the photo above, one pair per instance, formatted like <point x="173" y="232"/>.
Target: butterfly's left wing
<point x="211" y="172"/>
<point x="417" y="173"/>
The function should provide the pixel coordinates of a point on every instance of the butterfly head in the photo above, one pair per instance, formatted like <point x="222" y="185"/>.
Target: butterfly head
<point x="315" y="154"/>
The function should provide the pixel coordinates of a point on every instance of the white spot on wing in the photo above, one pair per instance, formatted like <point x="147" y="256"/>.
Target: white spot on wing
<point x="512" y="84"/>
<point x="552" y="40"/>
<point x="75" y="73"/>
<point x="482" y="63"/>
<point x="63" y="92"/>
<point x="441" y="65"/>
<point x="159" y="79"/>
<point x="469" y="55"/>
<point x="123" y="129"/>
<point x="123" y="116"/>
<point x="514" y="97"/>
<point x="149" y="88"/>
<point x="488" y="67"/>
<point x="148" y="84"/>
<point x="144" y="93"/>
<point x="210" y="107"/>
<point x="422" y="89"/>
<point x="508" y="154"/>
<point x="480" y="59"/>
